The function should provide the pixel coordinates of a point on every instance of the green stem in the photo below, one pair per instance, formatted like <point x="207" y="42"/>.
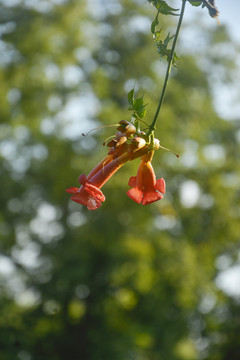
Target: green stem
<point x="152" y="126"/>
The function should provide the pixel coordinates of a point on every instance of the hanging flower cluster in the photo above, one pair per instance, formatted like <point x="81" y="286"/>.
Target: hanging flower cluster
<point x="128" y="144"/>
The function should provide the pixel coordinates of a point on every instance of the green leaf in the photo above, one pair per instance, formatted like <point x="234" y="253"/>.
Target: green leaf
<point x="157" y="34"/>
<point x="195" y="3"/>
<point x="141" y="113"/>
<point x="139" y="107"/>
<point x="162" y="47"/>
<point x="168" y="39"/>
<point x="163" y="7"/>
<point x="136" y="105"/>
<point x="154" y="23"/>
<point x="131" y="97"/>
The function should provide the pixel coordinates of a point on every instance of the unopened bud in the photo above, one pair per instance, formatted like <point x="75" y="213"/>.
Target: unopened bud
<point x="127" y="127"/>
<point x="130" y="129"/>
<point x="212" y="9"/>
<point x="82" y="179"/>
<point x="124" y="122"/>
<point x="138" y="143"/>
<point x="213" y="12"/>
<point x="121" y="140"/>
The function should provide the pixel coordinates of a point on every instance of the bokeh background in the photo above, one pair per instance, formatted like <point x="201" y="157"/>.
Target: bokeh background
<point x="124" y="282"/>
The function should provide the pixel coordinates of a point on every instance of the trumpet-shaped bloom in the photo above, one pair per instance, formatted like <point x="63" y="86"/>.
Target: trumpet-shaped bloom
<point x="145" y="188"/>
<point x="128" y="144"/>
<point x="88" y="194"/>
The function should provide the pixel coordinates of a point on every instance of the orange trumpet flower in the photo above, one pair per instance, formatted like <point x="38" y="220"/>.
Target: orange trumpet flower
<point x="145" y="188"/>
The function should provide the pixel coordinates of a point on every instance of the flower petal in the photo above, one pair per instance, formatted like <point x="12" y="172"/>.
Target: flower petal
<point x="94" y="191"/>
<point x="89" y="196"/>
<point x="132" y="181"/>
<point x="72" y="190"/>
<point x="135" y="194"/>
<point x="79" y="199"/>
<point x="150" y="197"/>
<point x="160" y="185"/>
<point x="93" y="203"/>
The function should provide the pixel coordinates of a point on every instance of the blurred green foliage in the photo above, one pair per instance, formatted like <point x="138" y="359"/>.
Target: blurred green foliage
<point x="124" y="282"/>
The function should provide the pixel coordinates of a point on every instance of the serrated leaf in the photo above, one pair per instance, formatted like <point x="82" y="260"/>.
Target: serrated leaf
<point x="163" y="7"/>
<point x="141" y="113"/>
<point x="139" y="107"/>
<point x="136" y="105"/>
<point x="162" y="46"/>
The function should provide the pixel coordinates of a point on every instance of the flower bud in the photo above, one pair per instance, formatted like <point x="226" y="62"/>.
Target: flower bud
<point x="137" y="143"/>
<point x="82" y="179"/>
<point x="126" y="127"/>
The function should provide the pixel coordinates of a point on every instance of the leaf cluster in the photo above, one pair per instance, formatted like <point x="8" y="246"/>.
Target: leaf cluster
<point x="163" y="44"/>
<point x="163" y="7"/>
<point x="163" y="47"/>
<point x="137" y="106"/>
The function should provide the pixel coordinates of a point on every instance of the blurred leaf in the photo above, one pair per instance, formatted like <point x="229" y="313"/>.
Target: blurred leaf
<point x="154" y="23"/>
<point x="163" y="7"/>
<point x="195" y="3"/>
<point x="163" y="50"/>
<point x="131" y="97"/>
